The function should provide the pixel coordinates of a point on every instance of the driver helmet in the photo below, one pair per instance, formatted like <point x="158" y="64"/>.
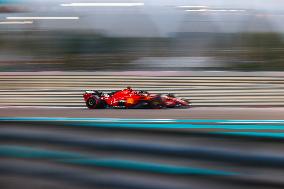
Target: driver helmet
<point x="129" y="88"/>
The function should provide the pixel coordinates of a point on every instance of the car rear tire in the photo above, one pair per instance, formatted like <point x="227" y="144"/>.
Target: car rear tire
<point x="92" y="103"/>
<point x="96" y="103"/>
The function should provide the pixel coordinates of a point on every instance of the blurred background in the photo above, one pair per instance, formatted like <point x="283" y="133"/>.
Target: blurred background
<point x="92" y="35"/>
<point x="228" y="51"/>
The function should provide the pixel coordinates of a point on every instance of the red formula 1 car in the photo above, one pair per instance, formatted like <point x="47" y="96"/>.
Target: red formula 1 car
<point x="129" y="98"/>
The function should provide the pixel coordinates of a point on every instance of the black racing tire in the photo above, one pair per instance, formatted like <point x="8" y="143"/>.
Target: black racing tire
<point x="95" y="103"/>
<point x="157" y="103"/>
<point x="92" y="103"/>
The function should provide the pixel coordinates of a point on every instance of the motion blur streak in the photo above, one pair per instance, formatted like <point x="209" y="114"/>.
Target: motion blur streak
<point x="102" y="4"/>
<point x="192" y="6"/>
<point x="26" y="152"/>
<point x="53" y="151"/>
<point x="42" y="18"/>
<point x="215" y="10"/>
<point x="17" y="22"/>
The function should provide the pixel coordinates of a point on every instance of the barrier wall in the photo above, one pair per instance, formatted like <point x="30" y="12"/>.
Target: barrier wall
<point x="203" y="88"/>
